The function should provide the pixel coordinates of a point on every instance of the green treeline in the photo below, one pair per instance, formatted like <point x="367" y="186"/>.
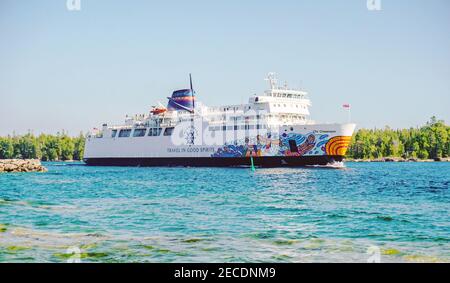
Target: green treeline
<point x="44" y="147"/>
<point x="428" y="142"/>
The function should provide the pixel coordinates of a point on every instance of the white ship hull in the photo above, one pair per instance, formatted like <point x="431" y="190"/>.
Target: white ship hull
<point x="295" y="145"/>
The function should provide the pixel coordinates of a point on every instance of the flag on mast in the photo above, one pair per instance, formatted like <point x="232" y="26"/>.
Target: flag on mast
<point x="347" y="107"/>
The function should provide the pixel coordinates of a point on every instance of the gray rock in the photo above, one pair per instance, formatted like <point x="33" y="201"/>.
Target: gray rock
<point x="21" y="165"/>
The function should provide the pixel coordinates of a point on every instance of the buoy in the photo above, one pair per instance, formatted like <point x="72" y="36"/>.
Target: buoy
<point x="253" y="165"/>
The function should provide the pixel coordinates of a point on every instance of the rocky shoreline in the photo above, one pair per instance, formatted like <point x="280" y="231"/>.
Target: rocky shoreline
<point x="21" y="165"/>
<point x="398" y="159"/>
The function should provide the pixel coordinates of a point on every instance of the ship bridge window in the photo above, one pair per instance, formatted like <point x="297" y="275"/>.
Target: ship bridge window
<point x="124" y="133"/>
<point x="113" y="133"/>
<point x="168" y="131"/>
<point x="139" y="132"/>
<point x="154" y="132"/>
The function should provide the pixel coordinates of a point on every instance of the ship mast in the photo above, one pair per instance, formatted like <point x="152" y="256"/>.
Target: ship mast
<point x="192" y="93"/>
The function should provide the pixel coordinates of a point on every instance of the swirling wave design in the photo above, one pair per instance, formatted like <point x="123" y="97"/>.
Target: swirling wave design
<point x="338" y="145"/>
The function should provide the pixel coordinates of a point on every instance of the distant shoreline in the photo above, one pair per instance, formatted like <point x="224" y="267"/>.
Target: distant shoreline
<point x="396" y="159"/>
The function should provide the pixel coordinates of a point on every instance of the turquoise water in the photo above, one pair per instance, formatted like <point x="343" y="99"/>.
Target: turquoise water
<point x="118" y="214"/>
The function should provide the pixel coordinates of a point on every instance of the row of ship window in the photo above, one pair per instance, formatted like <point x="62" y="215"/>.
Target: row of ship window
<point x="152" y="132"/>
<point x="289" y="96"/>
<point x="274" y="105"/>
<point x="232" y="108"/>
<point x="237" y="127"/>
<point x="236" y="118"/>
<point x="246" y="118"/>
<point x="284" y="105"/>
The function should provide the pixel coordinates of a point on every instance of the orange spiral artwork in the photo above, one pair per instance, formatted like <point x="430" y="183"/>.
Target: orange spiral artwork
<point x="338" y="145"/>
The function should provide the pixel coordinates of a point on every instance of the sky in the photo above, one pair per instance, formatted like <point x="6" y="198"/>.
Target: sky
<point x="69" y="70"/>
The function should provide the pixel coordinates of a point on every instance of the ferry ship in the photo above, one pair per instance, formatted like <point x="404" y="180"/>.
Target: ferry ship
<point x="273" y="129"/>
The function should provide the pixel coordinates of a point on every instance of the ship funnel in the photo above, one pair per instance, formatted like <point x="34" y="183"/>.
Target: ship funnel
<point x="183" y="99"/>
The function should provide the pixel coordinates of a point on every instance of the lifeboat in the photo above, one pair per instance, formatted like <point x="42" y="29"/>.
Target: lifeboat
<point x="158" y="110"/>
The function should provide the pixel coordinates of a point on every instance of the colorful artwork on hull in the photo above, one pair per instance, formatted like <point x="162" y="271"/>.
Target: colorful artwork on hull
<point x="309" y="144"/>
<point x="287" y="144"/>
<point x="259" y="146"/>
<point x="338" y="145"/>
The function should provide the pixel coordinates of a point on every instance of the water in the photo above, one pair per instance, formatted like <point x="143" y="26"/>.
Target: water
<point x="118" y="214"/>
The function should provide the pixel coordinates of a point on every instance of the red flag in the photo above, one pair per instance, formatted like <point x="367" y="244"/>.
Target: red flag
<point x="346" y="106"/>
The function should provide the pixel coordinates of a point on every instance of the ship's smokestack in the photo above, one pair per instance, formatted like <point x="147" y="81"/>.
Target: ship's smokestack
<point x="183" y="99"/>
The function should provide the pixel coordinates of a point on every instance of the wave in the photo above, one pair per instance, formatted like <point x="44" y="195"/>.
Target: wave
<point x="331" y="165"/>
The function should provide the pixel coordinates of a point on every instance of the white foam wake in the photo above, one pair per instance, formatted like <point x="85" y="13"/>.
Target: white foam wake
<point x="331" y="165"/>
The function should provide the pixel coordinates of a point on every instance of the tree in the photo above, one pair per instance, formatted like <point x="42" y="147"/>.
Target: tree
<point x="79" y="147"/>
<point x="67" y="148"/>
<point x="50" y="148"/>
<point x="415" y="149"/>
<point x="6" y="148"/>
<point x="26" y="147"/>
<point x="430" y="141"/>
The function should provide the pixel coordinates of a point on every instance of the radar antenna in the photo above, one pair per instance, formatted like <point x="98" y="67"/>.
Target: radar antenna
<point x="272" y="80"/>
